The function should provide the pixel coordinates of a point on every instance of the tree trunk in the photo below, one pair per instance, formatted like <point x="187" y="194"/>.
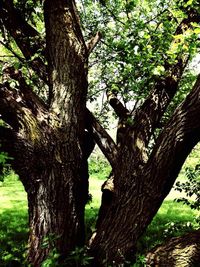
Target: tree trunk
<point x="53" y="171"/>
<point x="56" y="206"/>
<point x="49" y="144"/>
<point x="50" y="151"/>
<point x="139" y="189"/>
<point x="181" y="251"/>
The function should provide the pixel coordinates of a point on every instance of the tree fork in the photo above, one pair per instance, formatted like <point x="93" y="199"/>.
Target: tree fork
<point x="138" y="193"/>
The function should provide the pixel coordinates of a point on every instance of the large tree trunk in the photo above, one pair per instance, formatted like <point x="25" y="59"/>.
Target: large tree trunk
<point x="139" y="189"/>
<point x="56" y="202"/>
<point x="53" y="170"/>
<point x="49" y="143"/>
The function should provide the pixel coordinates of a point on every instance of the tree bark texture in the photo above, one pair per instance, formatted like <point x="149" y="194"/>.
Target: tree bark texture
<point x="178" y="251"/>
<point x="50" y="146"/>
<point x="55" y="180"/>
<point x="49" y="142"/>
<point x="138" y="191"/>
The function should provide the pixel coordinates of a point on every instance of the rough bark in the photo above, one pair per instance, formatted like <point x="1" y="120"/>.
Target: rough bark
<point x="139" y="183"/>
<point x="178" y="251"/>
<point x="53" y="145"/>
<point x="49" y="144"/>
<point x="56" y="204"/>
<point x="139" y="192"/>
<point x="45" y="158"/>
<point x="57" y="198"/>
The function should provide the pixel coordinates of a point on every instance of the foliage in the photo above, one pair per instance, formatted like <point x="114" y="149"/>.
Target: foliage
<point x="173" y="219"/>
<point x="53" y="256"/>
<point x="135" y="46"/>
<point x="140" y="261"/>
<point x="191" y="187"/>
<point x="78" y="257"/>
<point x="138" y="44"/>
<point x="52" y="259"/>
<point x="99" y="167"/>
<point x="3" y="158"/>
<point x="4" y="166"/>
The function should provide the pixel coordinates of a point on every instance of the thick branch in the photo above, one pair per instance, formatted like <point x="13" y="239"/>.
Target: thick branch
<point x="177" y="251"/>
<point x="175" y="143"/>
<point x="21" y="108"/>
<point x="10" y="106"/>
<point x="103" y="139"/>
<point x="19" y="29"/>
<point x="25" y="36"/>
<point x="67" y="57"/>
<point x="118" y="107"/>
<point x="33" y="101"/>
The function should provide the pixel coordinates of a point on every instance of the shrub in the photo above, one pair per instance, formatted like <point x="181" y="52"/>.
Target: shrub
<point x="99" y="167"/>
<point x="4" y="166"/>
<point x="191" y="187"/>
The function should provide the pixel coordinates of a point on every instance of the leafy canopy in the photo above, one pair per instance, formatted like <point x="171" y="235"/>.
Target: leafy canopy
<point x="139" y="42"/>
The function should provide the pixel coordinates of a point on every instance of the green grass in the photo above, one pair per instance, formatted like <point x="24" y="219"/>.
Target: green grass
<point x="13" y="222"/>
<point x="12" y="194"/>
<point x="172" y="219"/>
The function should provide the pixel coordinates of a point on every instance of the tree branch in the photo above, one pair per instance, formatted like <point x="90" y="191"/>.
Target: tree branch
<point x="103" y="139"/>
<point x="92" y="43"/>
<point x="118" y="107"/>
<point x="176" y="251"/>
<point x="150" y="113"/>
<point x="25" y="36"/>
<point x="33" y="101"/>
<point x="19" y="107"/>
<point x="9" y="48"/>
<point x="19" y="29"/>
<point x="10" y="106"/>
<point x="67" y="59"/>
<point x="174" y="144"/>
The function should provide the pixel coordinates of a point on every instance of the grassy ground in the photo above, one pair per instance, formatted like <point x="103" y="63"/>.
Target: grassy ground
<point x="172" y="219"/>
<point x="13" y="221"/>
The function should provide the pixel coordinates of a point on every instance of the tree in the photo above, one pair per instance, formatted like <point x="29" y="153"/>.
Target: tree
<point x="46" y="138"/>
<point x="52" y="130"/>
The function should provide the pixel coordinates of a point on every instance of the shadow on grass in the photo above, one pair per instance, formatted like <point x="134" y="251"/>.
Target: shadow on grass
<point x="13" y="237"/>
<point x="173" y="219"/>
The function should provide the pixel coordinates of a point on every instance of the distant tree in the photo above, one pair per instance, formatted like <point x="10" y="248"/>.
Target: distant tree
<point x="142" y="66"/>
